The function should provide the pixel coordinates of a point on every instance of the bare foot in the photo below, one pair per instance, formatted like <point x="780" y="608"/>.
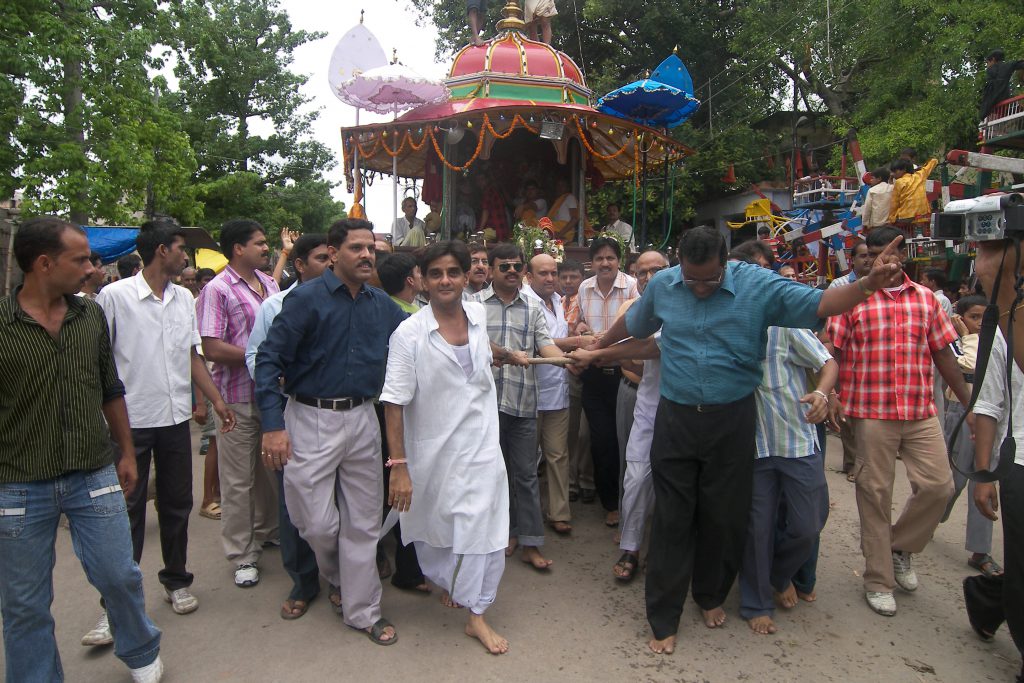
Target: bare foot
<point x="513" y="543"/>
<point x="787" y="598"/>
<point x="713" y="618"/>
<point x="446" y="600"/>
<point x="665" y="646"/>
<point x="423" y="588"/>
<point x="477" y="628"/>
<point x="532" y="556"/>
<point x="807" y="597"/>
<point x="612" y="518"/>
<point x="762" y="625"/>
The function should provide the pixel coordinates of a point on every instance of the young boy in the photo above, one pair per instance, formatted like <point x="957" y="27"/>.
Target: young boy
<point x="967" y="321"/>
<point x="910" y="207"/>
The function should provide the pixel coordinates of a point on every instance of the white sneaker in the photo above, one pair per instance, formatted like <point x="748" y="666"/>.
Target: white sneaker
<point x="247" y="575"/>
<point x="906" y="577"/>
<point x="182" y="601"/>
<point x="151" y="673"/>
<point x="882" y="603"/>
<point x="100" y="634"/>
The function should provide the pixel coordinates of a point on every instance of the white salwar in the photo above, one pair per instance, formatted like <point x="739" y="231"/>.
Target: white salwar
<point x="638" y="487"/>
<point x="459" y="515"/>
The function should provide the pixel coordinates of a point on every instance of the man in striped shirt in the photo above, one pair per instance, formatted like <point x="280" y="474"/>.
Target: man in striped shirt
<point x="226" y="310"/>
<point x="59" y="391"/>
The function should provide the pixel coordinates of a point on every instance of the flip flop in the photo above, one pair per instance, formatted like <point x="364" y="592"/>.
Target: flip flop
<point x="561" y="528"/>
<point x="628" y="563"/>
<point x="376" y="632"/>
<point x="334" y="597"/>
<point x="211" y="511"/>
<point x="986" y="565"/>
<point x="287" y="609"/>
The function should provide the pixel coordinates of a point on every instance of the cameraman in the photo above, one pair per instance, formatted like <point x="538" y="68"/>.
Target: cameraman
<point x="991" y="600"/>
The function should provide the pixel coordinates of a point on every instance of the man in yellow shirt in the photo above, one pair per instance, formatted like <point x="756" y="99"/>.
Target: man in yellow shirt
<point x="910" y="206"/>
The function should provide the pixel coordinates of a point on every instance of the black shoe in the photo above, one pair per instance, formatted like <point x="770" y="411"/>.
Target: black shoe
<point x="574" y="496"/>
<point x="588" y="496"/>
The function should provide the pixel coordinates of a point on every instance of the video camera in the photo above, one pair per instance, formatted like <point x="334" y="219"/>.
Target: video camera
<point x="980" y="219"/>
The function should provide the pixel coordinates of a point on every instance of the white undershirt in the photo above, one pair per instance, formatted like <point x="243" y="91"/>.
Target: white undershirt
<point x="465" y="358"/>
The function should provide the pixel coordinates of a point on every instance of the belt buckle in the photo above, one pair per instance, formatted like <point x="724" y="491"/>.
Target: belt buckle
<point x="700" y="408"/>
<point x="341" y="404"/>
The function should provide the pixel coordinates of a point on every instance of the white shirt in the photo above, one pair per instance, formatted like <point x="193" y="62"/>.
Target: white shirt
<point x="461" y="498"/>
<point x="876" y="205"/>
<point x="993" y="398"/>
<point x="152" y="340"/>
<point x="625" y="231"/>
<point x="552" y="382"/>
<point x="400" y="228"/>
<point x="565" y="207"/>
<point x="944" y="302"/>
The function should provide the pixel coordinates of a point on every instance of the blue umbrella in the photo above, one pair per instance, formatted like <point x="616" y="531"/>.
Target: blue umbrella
<point x="663" y="100"/>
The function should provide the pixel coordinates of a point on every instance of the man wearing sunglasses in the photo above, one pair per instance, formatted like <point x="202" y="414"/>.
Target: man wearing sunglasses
<point x="517" y="329"/>
<point x="714" y="318"/>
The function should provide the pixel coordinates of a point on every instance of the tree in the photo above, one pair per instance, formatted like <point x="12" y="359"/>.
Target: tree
<point x="305" y="205"/>
<point x="84" y="134"/>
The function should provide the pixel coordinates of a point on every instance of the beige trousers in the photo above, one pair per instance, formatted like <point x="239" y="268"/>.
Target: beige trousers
<point x="581" y="464"/>
<point x="248" y="491"/>
<point x="921" y="444"/>
<point x="334" y="489"/>
<point x="553" y="435"/>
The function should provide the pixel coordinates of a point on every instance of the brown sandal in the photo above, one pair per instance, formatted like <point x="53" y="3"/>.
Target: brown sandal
<point x="288" y="609"/>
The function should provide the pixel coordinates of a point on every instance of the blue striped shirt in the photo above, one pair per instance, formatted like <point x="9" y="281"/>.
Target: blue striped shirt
<point x="712" y="348"/>
<point x="782" y="430"/>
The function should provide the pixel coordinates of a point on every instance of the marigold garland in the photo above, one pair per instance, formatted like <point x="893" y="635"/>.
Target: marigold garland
<point x="586" y="143"/>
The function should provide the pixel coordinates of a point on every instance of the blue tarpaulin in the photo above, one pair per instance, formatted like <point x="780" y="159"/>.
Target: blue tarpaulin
<point x="111" y="243"/>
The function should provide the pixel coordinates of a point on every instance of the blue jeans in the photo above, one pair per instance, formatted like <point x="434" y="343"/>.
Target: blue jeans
<point x="101" y="537"/>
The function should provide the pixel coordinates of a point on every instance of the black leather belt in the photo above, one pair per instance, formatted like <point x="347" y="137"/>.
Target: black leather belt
<point x="331" y="403"/>
<point x="969" y="377"/>
<point x="609" y="371"/>
<point x="630" y="383"/>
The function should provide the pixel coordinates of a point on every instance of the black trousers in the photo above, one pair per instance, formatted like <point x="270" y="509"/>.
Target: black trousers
<point x="991" y="601"/>
<point x="702" y="463"/>
<point x="407" y="566"/>
<point x="169" y="449"/>
<point x="600" y="394"/>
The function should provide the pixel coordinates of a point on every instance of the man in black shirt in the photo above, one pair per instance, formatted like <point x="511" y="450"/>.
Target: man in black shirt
<point x="997" y="80"/>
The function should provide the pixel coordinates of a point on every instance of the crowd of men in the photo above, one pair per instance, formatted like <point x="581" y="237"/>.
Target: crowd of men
<point x="692" y="397"/>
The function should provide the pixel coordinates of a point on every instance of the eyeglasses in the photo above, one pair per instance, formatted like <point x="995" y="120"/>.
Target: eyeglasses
<point x="710" y="282"/>
<point x="649" y="272"/>
<point x="478" y="261"/>
<point x="505" y="267"/>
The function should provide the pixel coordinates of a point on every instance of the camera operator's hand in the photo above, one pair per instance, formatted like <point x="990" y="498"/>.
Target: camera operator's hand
<point x="986" y="499"/>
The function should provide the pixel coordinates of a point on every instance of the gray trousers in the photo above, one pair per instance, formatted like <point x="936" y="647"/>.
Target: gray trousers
<point x="625" y="402"/>
<point x="979" y="528"/>
<point x="637" y="503"/>
<point x="771" y="560"/>
<point x="248" y="490"/>
<point x="518" y="437"/>
<point x="581" y="464"/>
<point x="334" y="488"/>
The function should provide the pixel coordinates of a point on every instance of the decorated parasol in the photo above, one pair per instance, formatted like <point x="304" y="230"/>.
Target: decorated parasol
<point x="390" y="89"/>
<point x="662" y="100"/>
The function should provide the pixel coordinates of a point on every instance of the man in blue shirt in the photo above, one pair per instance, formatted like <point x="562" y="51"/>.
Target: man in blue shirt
<point x="714" y="319"/>
<point x="330" y="343"/>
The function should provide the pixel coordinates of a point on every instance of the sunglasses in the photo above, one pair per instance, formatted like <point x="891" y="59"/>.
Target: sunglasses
<point x="505" y="267"/>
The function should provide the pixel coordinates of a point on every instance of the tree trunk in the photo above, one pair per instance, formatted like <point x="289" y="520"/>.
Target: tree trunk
<point x="78" y="211"/>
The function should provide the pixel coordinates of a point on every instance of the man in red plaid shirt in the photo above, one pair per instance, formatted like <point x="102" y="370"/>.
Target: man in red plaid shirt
<point x="886" y="346"/>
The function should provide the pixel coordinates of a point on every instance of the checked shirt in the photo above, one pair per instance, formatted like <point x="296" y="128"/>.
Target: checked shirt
<point x="887" y="343"/>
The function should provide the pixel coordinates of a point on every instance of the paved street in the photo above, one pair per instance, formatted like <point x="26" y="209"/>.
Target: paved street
<point x="574" y="624"/>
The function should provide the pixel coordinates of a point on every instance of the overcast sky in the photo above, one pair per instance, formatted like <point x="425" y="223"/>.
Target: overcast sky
<point x="393" y="22"/>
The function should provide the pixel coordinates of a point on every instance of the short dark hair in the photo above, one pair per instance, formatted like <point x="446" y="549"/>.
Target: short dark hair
<point x="204" y="273"/>
<point x="858" y="243"/>
<point x="505" y="250"/>
<point x="570" y="266"/>
<point x="476" y="248"/>
<point x="764" y="230"/>
<point x="702" y="244"/>
<point x="393" y="270"/>
<point x="601" y="242"/>
<point x="155" y="234"/>
<point x="38" y="236"/>
<point x="611" y="204"/>
<point x="909" y="152"/>
<point x="749" y="251"/>
<point x="339" y="230"/>
<point x="882" y="173"/>
<point x="966" y="303"/>
<point x="902" y="165"/>
<point x="996" y="54"/>
<point x="456" y="248"/>
<point x="306" y="244"/>
<point x="127" y="265"/>
<point x="883" y="234"/>
<point x="96" y="258"/>
<point x="238" y="231"/>
<point x="937" y="275"/>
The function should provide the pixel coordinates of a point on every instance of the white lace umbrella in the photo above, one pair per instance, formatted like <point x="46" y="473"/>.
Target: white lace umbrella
<point x="390" y="89"/>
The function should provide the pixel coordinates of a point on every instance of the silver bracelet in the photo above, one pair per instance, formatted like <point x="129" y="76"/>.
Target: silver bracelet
<point x="822" y="394"/>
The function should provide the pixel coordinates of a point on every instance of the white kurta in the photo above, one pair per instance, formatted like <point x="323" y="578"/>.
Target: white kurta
<point x="460" y="496"/>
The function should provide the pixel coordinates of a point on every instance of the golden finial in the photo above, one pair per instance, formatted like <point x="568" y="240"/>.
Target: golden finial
<point x="513" y="20"/>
